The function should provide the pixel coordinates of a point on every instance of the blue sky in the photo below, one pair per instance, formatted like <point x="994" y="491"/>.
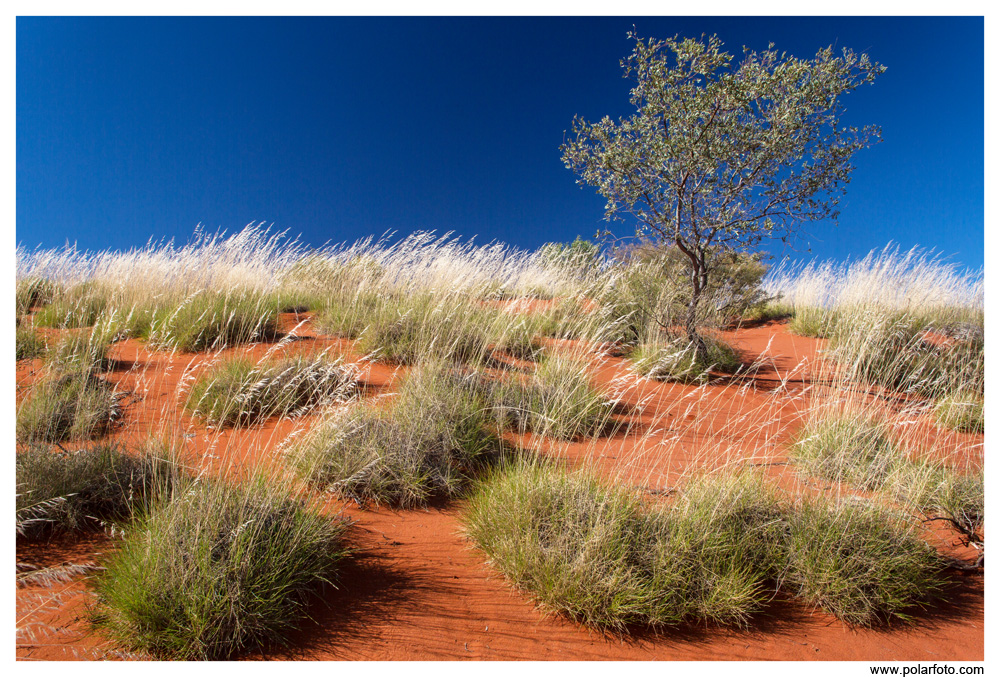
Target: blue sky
<point x="339" y="128"/>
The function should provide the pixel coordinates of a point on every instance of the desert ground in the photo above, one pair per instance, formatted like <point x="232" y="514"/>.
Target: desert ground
<point x="414" y="585"/>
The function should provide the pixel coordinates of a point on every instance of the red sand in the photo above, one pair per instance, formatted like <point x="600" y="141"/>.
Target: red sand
<point x="418" y="590"/>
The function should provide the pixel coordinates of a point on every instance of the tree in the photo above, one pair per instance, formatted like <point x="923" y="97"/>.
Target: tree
<point x="717" y="159"/>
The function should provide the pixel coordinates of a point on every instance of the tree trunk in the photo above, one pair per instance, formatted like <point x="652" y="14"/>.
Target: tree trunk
<point x="699" y="280"/>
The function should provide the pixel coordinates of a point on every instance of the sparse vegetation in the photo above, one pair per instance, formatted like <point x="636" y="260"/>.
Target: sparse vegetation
<point x="655" y="525"/>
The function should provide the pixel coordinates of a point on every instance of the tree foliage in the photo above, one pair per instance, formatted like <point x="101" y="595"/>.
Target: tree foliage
<point x="719" y="157"/>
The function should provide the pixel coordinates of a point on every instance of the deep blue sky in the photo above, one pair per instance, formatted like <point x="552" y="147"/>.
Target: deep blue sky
<point x="338" y="128"/>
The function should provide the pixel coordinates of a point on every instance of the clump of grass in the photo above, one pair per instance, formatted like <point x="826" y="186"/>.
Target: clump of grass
<point x="596" y="553"/>
<point x="218" y="570"/>
<point x="768" y="311"/>
<point x="893" y="350"/>
<point x="29" y="344"/>
<point x="727" y="545"/>
<point x="428" y="444"/>
<point x="75" y="405"/>
<point x="678" y="361"/>
<point x="445" y="327"/>
<point x="556" y="400"/>
<point x="567" y="318"/>
<point x="213" y="321"/>
<point x="33" y="292"/>
<point x="961" y="411"/>
<point x="240" y="392"/>
<point x="347" y="317"/>
<point x="76" y="307"/>
<point x="82" y="351"/>
<point x="59" y="491"/>
<point x="935" y="489"/>
<point x="847" y="447"/>
<point x="567" y="539"/>
<point x="863" y="563"/>
<point x="813" y="322"/>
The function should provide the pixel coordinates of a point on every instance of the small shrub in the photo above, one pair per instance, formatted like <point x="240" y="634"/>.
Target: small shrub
<point x="860" y="562"/>
<point x="216" y="571"/>
<point x="847" y="447"/>
<point x="77" y="405"/>
<point x="428" y="444"/>
<point x="678" y="361"/>
<point x="215" y="321"/>
<point x="961" y="411"/>
<point x="81" y="490"/>
<point x="240" y="392"/>
<point x="29" y="344"/>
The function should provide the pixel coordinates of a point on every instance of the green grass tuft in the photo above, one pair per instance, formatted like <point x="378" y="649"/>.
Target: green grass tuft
<point x="768" y="311"/>
<point x="812" y="322"/>
<point x="961" y="411"/>
<point x="863" y="563"/>
<point x="428" y="444"/>
<point x="76" y="405"/>
<point x="215" y="321"/>
<point x="240" y="392"/>
<point x="218" y="570"/>
<point x="82" y="490"/>
<point x="847" y="447"/>
<point x="557" y="400"/>
<point x="29" y="344"/>
<point x="594" y="552"/>
<point x="34" y="292"/>
<point x="677" y="361"/>
<point x="82" y="352"/>
<point x="936" y="489"/>
<point x="76" y="307"/>
<point x="450" y="328"/>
